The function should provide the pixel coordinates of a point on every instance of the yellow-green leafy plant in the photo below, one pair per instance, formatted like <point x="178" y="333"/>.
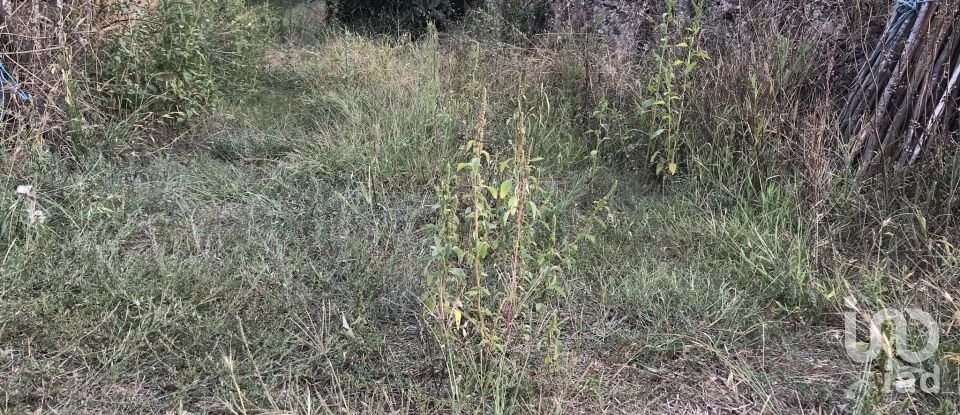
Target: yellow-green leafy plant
<point x="675" y="60"/>
<point x="495" y="274"/>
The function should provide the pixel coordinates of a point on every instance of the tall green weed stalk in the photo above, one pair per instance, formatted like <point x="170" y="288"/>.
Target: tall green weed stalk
<point x="675" y="60"/>
<point x="495" y="275"/>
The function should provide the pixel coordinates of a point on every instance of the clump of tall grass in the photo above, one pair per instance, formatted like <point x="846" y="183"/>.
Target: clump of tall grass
<point x="172" y="65"/>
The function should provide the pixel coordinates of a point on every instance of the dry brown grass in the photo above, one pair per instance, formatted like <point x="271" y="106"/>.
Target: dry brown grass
<point x="44" y="45"/>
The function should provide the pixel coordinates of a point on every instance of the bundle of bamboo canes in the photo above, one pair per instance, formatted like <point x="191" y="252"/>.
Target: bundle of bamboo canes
<point x="905" y="97"/>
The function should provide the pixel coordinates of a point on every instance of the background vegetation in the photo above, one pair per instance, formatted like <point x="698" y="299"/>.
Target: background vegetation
<point x="337" y="207"/>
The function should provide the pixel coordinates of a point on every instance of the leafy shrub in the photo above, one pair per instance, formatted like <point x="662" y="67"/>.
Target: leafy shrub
<point x="525" y="17"/>
<point x="182" y="56"/>
<point x="408" y="14"/>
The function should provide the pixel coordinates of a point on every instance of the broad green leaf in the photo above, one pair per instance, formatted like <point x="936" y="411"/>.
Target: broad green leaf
<point x="560" y="291"/>
<point x="534" y="210"/>
<point x="505" y="188"/>
<point x="482" y="250"/>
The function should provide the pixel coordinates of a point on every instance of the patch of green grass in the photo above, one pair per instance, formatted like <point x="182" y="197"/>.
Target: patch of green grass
<point x="275" y="257"/>
<point x="145" y="276"/>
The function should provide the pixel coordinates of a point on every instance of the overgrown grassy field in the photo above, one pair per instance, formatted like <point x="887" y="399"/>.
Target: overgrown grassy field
<point x="454" y="224"/>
